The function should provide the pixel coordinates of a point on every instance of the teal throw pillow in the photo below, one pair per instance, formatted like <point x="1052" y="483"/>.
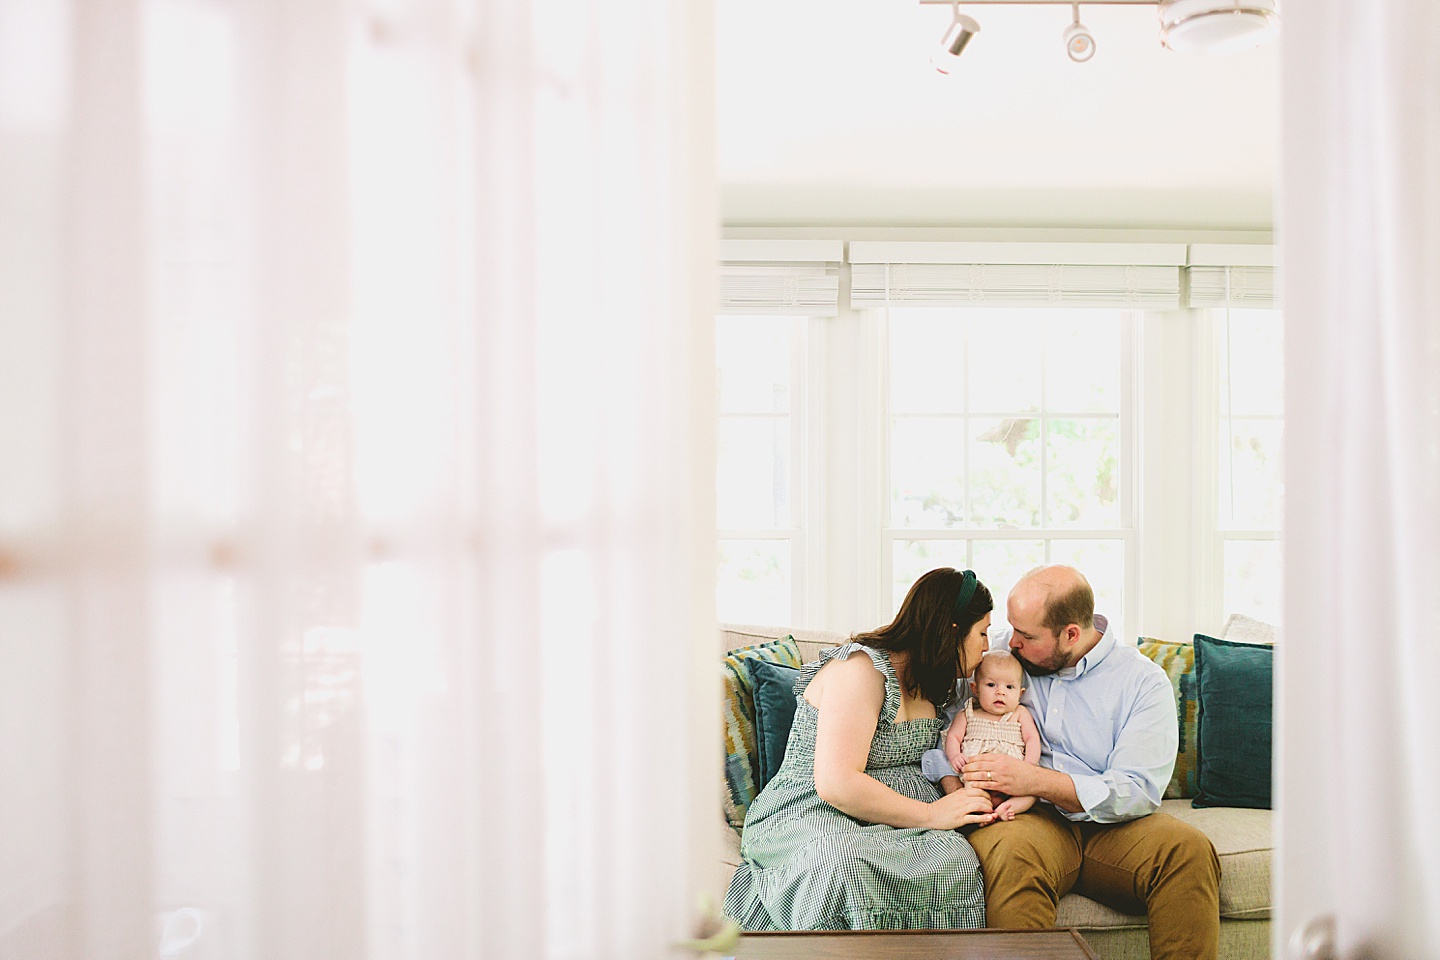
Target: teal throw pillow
<point x="774" y="686"/>
<point x="1233" y="691"/>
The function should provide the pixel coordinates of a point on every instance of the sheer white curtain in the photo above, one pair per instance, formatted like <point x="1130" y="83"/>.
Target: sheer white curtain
<point x="1360" y="238"/>
<point x="356" y="472"/>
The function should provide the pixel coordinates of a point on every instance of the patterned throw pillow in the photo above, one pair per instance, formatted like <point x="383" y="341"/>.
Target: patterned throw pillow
<point x="1178" y="662"/>
<point x="742" y="762"/>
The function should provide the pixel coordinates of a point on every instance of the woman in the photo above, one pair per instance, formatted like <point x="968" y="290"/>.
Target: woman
<point x="849" y="834"/>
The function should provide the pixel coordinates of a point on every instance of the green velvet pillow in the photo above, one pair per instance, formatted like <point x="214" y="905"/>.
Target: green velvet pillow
<point x="742" y="764"/>
<point x="774" y="686"/>
<point x="1234" y="694"/>
<point x="1178" y="662"/>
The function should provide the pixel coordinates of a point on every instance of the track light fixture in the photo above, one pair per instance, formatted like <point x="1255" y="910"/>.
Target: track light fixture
<point x="1079" y="43"/>
<point x="1188" y="26"/>
<point x="1217" y="26"/>
<point x="957" y="35"/>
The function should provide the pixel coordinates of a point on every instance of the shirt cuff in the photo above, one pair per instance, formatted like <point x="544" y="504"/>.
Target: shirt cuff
<point x="935" y="767"/>
<point x="1092" y="791"/>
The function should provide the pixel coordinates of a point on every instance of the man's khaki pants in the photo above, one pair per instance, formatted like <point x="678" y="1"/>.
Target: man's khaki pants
<point x="1156" y="865"/>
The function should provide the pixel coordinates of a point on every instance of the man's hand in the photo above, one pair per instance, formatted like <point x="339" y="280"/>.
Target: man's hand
<point x="1001" y="774"/>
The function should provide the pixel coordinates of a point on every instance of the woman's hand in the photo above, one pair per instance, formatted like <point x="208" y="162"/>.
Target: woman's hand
<point x="965" y="806"/>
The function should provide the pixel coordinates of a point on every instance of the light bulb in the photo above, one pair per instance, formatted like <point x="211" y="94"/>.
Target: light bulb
<point x="1079" y="44"/>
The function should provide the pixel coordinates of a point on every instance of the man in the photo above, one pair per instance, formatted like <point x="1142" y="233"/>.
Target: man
<point x="1107" y="715"/>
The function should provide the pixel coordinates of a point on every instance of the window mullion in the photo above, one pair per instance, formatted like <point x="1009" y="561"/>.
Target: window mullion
<point x="1130" y="346"/>
<point x="1044" y="437"/>
<point x="968" y="430"/>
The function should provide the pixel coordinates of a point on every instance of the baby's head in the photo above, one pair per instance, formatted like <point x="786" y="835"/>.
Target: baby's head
<point x="999" y="681"/>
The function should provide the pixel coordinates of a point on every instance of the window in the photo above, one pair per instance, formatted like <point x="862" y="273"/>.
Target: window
<point x="1009" y="445"/>
<point x="1250" y="479"/>
<point x="760" y="460"/>
<point x="768" y="493"/>
<point x="1113" y="406"/>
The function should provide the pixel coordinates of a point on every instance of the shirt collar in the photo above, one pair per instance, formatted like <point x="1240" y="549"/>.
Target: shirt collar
<point x="1097" y="653"/>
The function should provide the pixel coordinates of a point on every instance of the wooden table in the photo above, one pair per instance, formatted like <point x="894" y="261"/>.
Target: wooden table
<point x="1064" y="944"/>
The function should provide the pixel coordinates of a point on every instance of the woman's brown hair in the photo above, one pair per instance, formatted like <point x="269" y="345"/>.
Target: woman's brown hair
<point x="934" y="619"/>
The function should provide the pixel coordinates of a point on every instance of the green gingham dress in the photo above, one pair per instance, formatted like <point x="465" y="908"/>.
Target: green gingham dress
<point x="808" y="866"/>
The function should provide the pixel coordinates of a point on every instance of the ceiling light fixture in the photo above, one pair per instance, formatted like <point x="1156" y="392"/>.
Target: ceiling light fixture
<point x="957" y="35"/>
<point x="1217" y="26"/>
<point x="1187" y="26"/>
<point x="1079" y="43"/>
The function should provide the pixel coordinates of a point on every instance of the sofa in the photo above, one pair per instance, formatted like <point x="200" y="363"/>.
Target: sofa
<point x="1242" y="838"/>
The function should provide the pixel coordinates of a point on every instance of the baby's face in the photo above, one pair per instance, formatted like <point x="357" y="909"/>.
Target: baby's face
<point x="998" y="691"/>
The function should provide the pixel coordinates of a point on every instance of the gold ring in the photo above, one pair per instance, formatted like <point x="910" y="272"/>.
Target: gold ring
<point x="989" y="774"/>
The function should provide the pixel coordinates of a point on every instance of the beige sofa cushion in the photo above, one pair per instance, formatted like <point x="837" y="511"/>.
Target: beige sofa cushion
<point x="1078" y="911"/>
<point x="1242" y="841"/>
<point x="731" y="855"/>
<point x="811" y="641"/>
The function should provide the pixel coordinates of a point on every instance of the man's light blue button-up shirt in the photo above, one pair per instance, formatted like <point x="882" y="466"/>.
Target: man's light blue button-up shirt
<point x="1109" y="722"/>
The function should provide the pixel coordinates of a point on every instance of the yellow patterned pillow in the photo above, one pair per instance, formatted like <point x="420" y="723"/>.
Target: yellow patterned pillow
<point x="742" y="761"/>
<point x="1178" y="661"/>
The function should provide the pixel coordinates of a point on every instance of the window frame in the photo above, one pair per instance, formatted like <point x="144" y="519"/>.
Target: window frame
<point x="1124" y="533"/>
<point x="1221" y="421"/>
<point x="806" y="505"/>
<point x="843" y="541"/>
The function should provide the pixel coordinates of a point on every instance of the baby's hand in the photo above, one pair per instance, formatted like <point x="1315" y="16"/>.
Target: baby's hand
<point x="957" y="760"/>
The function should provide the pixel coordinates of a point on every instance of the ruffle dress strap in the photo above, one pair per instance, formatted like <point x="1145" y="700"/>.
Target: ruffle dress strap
<point x="882" y="663"/>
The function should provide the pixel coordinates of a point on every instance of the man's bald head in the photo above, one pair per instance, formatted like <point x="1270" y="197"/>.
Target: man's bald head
<point x="1061" y="593"/>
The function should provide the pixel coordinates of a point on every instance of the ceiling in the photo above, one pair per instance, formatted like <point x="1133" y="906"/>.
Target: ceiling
<point x="829" y="113"/>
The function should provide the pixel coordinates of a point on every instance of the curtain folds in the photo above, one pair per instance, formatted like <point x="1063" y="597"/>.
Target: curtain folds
<point x="1357" y="778"/>
<point x="356" y="510"/>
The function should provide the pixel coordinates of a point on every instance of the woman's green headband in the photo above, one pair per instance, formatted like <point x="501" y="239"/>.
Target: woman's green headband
<point x="967" y="592"/>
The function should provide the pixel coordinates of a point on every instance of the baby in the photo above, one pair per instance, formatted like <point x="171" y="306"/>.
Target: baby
<point x="1000" y="726"/>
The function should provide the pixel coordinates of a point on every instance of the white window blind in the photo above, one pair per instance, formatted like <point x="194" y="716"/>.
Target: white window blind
<point x="794" y="278"/>
<point x="1244" y="286"/>
<point x="1138" y="276"/>
<point x="1243" y="272"/>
